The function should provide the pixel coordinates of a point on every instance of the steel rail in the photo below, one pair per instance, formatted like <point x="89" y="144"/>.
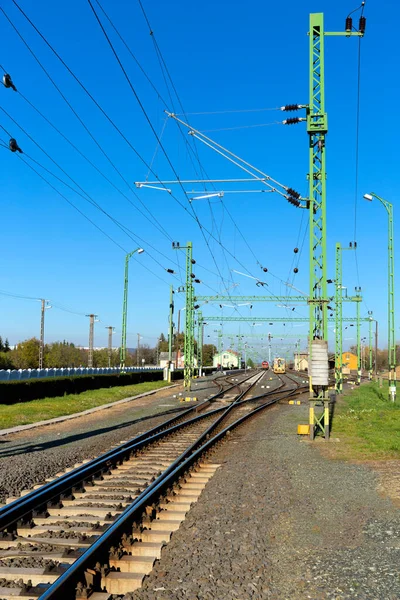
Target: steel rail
<point x="98" y="553"/>
<point x="38" y="499"/>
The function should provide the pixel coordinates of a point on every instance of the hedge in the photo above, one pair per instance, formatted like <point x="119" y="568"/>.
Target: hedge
<point x="34" y="389"/>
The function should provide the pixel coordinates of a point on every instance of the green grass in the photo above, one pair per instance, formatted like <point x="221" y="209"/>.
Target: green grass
<point x="367" y="423"/>
<point x="23" y="413"/>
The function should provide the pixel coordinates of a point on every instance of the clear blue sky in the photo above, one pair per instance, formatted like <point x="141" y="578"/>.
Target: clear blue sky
<point x="222" y="56"/>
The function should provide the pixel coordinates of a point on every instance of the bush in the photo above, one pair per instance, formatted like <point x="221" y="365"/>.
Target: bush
<point x="34" y="389"/>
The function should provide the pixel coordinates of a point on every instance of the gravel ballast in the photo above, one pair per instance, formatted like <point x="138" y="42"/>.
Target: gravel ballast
<point x="28" y="458"/>
<point x="280" y="521"/>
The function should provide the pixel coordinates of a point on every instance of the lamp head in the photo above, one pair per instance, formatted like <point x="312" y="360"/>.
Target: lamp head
<point x="140" y="251"/>
<point x="368" y="197"/>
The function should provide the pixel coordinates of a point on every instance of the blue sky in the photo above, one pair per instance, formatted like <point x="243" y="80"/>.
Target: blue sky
<point x="222" y="57"/>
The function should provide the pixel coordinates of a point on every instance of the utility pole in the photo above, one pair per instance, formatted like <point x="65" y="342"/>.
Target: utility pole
<point x="137" y="352"/>
<point x="125" y="306"/>
<point x="358" y="291"/>
<point x="317" y="128"/>
<point x="189" y="326"/>
<point x="110" y="347"/>
<point x="44" y="306"/>
<point x="92" y="318"/>
<point x="170" y="330"/>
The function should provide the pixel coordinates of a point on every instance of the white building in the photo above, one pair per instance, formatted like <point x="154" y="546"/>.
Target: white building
<point x="228" y="359"/>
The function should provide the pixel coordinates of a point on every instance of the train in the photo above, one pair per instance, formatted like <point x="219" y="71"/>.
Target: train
<point x="265" y="364"/>
<point x="279" y="365"/>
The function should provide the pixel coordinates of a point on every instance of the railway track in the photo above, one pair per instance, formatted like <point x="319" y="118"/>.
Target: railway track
<point x="102" y="525"/>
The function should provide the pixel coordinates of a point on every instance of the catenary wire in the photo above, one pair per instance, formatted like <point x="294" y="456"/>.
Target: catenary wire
<point x="156" y="223"/>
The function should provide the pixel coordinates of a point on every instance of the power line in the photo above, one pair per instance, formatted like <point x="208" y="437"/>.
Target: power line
<point x="194" y="215"/>
<point x="86" y="196"/>
<point x="156" y="222"/>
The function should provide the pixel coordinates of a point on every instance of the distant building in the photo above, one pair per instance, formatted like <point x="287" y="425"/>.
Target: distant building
<point x="163" y="360"/>
<point x="349" y="361"/>
<point x="301" y="361"/>
<point x="228" y="359"/>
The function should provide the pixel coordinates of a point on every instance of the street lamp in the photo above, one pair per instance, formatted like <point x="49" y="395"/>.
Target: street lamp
<point x="391" y="326"/>
<point x="125" y="306"/>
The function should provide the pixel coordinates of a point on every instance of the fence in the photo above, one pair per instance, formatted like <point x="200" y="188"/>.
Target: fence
<point x="23" y="374"/>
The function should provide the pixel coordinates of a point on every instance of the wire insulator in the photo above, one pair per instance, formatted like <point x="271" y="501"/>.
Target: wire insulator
<point x="265" y="269"/>
<point x="293" y="193"/>
<point x="349" y="24"/>
<point x="361" y="25"/>
<point x="293" y="201"/>
<point x="192" y="275"/>
<point x="197" y="281"/>
<point x="295" y="270"/>
<point x="12" y="144"/>
<point x="291" y="121"/>
<point x="296" y="250"/>
<point x="289" y="107"/>
<point x="193" y="261"/>
<point x="170" y="271"/>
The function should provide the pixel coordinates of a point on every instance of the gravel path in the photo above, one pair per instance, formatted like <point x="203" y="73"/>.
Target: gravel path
<point x="29" y="457"/>
<point x="279" y="521"/>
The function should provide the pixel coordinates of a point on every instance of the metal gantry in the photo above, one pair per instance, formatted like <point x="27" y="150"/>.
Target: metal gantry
<point x="339" y="299"/>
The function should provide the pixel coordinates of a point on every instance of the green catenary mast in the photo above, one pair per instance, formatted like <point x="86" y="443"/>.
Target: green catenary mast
<point x="317" y="128"/>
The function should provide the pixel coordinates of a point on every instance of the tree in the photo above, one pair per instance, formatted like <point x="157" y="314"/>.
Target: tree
<point x="163" y="343"/>
<point x="5" y="361"/>
<point x="6" y="346"/>
<point x="250" y="363"/>
<point x="209" y="350"/>
<point x="1" y="344"/>
<point x="26" y="354"/>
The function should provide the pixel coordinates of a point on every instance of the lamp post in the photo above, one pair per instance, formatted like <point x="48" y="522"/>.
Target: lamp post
<point x="391" y="326"/>
<point x="125" y="306"/>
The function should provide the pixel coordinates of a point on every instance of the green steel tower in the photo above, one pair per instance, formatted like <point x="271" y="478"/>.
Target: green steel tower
<point x="371" y="320"/>
<point x="189" y="315"/>
<point x="317" y="128"/>
<point x="358" y="317"/>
